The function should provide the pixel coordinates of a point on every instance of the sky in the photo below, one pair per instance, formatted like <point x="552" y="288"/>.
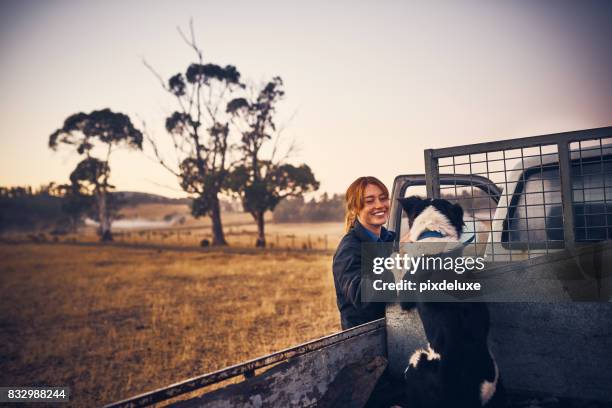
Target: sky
<point x="369" y="85"/>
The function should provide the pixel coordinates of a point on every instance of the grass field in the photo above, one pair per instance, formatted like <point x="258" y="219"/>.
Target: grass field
<point x="111" y="322"/>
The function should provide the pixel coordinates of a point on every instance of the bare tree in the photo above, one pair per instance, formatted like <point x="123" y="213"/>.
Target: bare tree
<point x="199" y="131"/>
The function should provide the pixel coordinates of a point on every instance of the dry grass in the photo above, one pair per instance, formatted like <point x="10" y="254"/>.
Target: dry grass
<point x="112" y="322"/>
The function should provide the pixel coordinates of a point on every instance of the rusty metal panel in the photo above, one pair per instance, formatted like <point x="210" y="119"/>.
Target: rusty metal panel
<point x="246" y="368"/>
<point x="353" y="386"/>
<point x="301" y="381"/>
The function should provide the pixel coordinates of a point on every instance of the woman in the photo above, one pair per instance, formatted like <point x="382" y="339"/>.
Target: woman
<point x="367" y="210"/>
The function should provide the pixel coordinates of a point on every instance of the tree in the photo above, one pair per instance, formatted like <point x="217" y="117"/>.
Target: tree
<point x="30" y="209"/>
<point x="76" y="202"/>
<point x="263" y="183"/>
<point x="199" y="131"/>
<point x="86" y="131"/>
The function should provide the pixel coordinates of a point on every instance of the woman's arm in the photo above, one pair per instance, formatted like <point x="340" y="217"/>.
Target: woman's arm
<point x="347" y="274"/>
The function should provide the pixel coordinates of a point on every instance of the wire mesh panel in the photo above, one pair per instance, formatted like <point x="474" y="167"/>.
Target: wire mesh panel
<point x="592" y="189"/>
<point x="556" y="190"/>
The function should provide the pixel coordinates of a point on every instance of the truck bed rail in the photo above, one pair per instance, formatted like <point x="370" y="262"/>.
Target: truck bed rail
<point x="247" y="368"/>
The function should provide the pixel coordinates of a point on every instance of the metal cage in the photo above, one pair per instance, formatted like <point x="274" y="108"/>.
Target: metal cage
<point x="555" y="191"/>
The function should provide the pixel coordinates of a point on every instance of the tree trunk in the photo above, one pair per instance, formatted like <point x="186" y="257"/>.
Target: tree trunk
<point x="103" y="218"/>
<point x="217" y="226"/>
<point x="261" y="236"/>
<point x="73" y="222"/>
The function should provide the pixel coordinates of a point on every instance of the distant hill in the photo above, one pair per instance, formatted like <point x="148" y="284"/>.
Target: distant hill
<point x="28" y="209"/>
<point x="133" y="198"/>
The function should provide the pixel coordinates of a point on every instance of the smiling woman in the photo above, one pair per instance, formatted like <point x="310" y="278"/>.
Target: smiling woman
<point x="367" y="210"/>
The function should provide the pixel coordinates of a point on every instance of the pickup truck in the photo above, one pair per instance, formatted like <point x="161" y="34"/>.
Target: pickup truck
<point x="536" y="205"/>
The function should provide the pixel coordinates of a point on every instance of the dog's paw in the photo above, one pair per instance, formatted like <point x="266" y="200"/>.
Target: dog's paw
<point x="415" y="358"/>
<point x="420" y="358"/>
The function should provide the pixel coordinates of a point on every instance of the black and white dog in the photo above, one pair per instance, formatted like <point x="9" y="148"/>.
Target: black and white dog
<point x="457" y="368"/>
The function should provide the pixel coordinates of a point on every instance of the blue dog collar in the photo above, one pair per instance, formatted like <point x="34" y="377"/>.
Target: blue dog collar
<point x="430" y="234"/>
<point x="471" y="239"/>
<point x="436" y="234"/>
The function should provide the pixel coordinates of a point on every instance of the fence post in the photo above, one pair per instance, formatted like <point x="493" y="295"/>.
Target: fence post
<point x="432" y="174"/>
<point x="565" y="176"/>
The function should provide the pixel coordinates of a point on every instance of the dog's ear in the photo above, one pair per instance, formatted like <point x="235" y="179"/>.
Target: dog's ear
<point x="457" y="216"/>
<point x="408" y="203"/>
<point x="454" y="213"/>
<point x="413" y="206"/>
<point x="458" y="212"/>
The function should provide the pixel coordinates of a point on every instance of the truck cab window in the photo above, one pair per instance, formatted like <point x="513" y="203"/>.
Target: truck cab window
<point x="535" y="214"/>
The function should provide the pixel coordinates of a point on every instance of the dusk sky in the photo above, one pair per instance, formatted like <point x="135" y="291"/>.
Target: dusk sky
<point x="369" y="85"/>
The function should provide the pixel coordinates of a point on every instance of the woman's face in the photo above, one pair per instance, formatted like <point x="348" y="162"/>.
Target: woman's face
<point x="376" y="207"/>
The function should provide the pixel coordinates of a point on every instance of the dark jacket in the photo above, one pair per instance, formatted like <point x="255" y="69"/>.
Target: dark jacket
<point x="347" y="278"/>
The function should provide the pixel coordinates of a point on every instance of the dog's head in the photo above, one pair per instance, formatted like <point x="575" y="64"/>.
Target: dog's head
<point x="435" y="215"/>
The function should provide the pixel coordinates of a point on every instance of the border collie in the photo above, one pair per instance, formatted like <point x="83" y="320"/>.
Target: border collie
<point x="457" y="368"/>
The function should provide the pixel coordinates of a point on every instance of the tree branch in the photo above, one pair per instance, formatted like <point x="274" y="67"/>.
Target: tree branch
<point x="158" y="157"/>
<point x="191" y="43"/>
<point x="279" y="132"/>
<point x="157" y="75"/>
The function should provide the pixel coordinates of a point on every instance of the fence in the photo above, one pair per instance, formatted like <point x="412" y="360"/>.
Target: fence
<point x="197" y="237"/>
